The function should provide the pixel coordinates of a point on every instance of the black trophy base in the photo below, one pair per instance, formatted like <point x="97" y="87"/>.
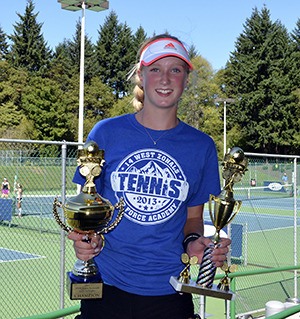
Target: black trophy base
<point x="193" y="288"/>
<point x="79" y="289"/>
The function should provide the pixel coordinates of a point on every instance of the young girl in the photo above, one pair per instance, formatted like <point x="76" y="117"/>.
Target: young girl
<point x="5" y="188"/>
<point x="165" y="171"/>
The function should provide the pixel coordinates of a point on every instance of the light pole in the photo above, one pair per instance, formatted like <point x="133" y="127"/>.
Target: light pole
<point x="76" y="5"/>
<point x="225" y="101"/>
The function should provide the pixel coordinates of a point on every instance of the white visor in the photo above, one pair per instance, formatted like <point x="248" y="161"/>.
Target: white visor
<point x="164" y="47"/>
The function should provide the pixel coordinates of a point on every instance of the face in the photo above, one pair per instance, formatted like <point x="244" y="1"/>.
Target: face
<point x="163" y="82"/>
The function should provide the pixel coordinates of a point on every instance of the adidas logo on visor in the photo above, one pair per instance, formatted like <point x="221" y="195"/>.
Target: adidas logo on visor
<point x="170" y="46"/>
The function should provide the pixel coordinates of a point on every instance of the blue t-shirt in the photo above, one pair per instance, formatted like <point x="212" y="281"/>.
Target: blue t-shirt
<point x="158" y="182"/>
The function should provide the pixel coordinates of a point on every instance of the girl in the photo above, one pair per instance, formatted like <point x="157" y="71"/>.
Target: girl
<point x="165" y="171"/>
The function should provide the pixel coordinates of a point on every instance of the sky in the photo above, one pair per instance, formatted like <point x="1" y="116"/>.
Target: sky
<point x="212" y="26"/>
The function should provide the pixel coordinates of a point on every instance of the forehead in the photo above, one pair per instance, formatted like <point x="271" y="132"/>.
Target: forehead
<point x="170" y="61"/>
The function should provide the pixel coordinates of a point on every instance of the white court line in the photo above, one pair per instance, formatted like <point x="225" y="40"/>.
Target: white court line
<point x="20" y="252"/>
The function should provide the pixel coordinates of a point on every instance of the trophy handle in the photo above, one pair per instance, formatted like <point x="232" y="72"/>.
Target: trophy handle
<point x="211" y="199"/>
<point x="56" y="203"/>
<point x="120" y="206"/>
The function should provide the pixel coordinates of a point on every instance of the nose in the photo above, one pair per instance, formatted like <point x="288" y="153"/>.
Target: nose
<point x="164" y="78"/>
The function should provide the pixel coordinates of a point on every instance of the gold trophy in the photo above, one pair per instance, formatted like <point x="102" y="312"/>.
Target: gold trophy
<point x="225" y="209"/>
<point x="89" y="214"/>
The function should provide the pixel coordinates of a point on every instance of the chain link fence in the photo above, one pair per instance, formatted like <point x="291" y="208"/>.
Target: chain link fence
<point x="32" y="244"/>
<point x="34" y="255"/>
<point x="265" y="232"/>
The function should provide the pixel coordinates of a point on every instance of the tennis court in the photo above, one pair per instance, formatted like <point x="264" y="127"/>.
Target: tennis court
<point x="32" y="252"/>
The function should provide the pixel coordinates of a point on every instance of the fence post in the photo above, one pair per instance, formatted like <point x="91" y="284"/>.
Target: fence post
<point x="232" y="302"/>
<point x="62" y="233"/>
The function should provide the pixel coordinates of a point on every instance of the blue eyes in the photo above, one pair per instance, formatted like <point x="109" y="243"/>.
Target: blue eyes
<point x="175" y="70"/>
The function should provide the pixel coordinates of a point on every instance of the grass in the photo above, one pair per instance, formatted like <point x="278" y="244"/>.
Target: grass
<point x="38" y="179"/>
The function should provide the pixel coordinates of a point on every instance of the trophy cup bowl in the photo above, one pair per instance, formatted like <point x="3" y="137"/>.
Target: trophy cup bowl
<point x="89" y="214"/>
<point x="222" y="209"/>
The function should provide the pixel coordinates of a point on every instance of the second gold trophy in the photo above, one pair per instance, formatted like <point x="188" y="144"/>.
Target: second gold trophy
<point x="222" y="209"/>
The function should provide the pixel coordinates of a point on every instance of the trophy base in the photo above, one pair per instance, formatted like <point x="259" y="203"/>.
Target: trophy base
<point x="82" y="288"/>
<point x="193" y="288"/>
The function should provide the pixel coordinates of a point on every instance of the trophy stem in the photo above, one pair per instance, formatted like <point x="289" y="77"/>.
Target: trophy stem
<point x="85" y="269"/>
<point x="207" y="269"/>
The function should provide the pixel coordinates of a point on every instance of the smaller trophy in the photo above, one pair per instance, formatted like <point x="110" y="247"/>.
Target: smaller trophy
<point x="224" y="283"/>
<point x="225" y="208"/>
<point x="89" y="214"/>
<point x="185" y="275"/>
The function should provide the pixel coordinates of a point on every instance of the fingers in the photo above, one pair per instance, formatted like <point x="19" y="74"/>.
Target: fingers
<point x="86" y="247"/>
<point x="219" y="253"/>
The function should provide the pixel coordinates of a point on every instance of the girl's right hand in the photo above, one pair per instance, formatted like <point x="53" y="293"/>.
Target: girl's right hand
<point x="86" y="247"/>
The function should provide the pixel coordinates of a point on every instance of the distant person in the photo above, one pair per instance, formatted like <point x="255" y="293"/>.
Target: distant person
<point x="285" y="179"/>
<point x="19" y="194"/>
<point x="5" y="188"/>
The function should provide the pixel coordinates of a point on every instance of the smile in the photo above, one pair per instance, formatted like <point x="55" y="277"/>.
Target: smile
<point x="164" y="91"/>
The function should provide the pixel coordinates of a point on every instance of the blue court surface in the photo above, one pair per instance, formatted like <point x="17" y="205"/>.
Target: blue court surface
<point x="251" y="216"/>
<point x="8" y="255"/>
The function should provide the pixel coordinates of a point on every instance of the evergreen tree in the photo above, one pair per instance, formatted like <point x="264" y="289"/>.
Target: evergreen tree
<point x="29" y="49"/>
<point x="73" y="49"/>
<point x="296" y="35"/>
<point x="258" y="75"/>
<point x="193" y="53"/>
<point x="3" y="45"/>
<point x="61" y="68"/>
<point x="295" y="80"/>
<point x="114" y="54"/>
<point x="12" y="83"/>
<point x="295" y="74"/>
<point x="138" y="39"/>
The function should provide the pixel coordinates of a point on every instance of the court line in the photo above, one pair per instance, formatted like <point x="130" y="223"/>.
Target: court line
<point x="29" y="256"/>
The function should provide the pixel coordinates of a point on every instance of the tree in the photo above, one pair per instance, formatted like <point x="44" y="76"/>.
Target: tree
<point x="295" y="35"/>
<point x="61" y="68"/>
<point x="138" y="39"/>
<point x="43" y="104"/>
<point x="114" y="54"/>
<point x="295" y="80"/>
<point x="29" y="49"/>
<point x="99" y="99"/>
<point x="3" y="45"/>
<point x="257" y="76"/>
<point x="12" y="82"/>
<point x="197" y="106"/>
<point x="73" y="52"/>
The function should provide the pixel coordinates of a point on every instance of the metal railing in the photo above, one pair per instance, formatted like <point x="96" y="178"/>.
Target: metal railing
<point x="288" y="312"/>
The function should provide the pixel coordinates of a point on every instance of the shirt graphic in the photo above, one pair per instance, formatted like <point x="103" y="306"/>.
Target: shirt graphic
<point x="152" y="184"/>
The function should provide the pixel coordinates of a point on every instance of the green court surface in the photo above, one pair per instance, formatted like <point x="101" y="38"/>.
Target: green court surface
<point x="30" y="272"/>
